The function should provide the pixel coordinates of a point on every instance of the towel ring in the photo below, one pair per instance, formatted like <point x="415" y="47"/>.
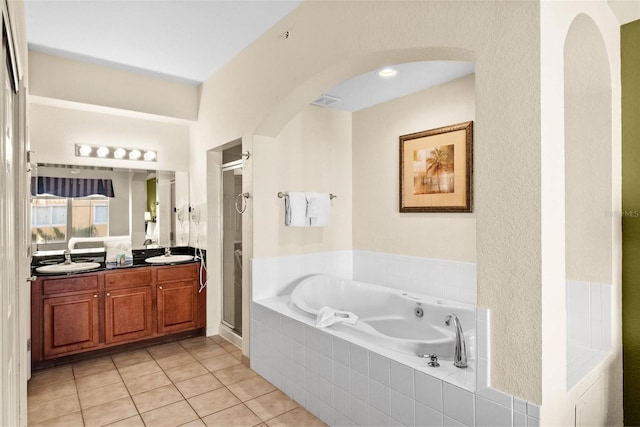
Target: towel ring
<point x="242" y="198"/>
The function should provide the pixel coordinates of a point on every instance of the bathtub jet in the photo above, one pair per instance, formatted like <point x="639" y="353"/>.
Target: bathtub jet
<point x="387" y="317"/>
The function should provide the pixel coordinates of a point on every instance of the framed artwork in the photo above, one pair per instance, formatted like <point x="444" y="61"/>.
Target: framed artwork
<point x="436" y="170"/>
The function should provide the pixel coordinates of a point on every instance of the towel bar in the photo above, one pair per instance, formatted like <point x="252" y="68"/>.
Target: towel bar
<point x="281" y="195"/>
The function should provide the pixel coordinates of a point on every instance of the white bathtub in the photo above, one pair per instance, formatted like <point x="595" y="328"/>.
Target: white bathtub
<point x="387" y="317"/>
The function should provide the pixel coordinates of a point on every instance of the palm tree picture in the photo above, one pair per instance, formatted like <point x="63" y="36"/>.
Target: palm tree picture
<point x="433" y="170"/>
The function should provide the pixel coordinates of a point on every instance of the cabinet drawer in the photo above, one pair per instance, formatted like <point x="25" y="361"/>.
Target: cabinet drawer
<point x="175" y="272"/>
<point x="70" y="284"/>
<point x="127" y="279"/>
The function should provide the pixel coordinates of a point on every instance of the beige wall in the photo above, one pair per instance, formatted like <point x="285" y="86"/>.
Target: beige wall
<point x="55" y="131"/>
<point x="312" y="153"/>
<point x="272" y="80"/>
<point x="377" y="224"/>
<point x="64" y="79"/>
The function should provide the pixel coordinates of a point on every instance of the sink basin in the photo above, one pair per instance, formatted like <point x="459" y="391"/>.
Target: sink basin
<point x="171" y="259"/>
<point x="74" y="267"/>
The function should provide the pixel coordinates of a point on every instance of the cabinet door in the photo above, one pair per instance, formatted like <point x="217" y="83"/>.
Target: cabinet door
<point x="177" y="306"/>
<point x="128" y="314"/>
<point x="70" y="324"/>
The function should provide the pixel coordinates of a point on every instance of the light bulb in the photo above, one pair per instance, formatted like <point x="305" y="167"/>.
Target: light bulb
<point x="134" y="154"/>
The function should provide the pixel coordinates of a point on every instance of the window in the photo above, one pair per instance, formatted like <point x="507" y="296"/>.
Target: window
<point x="49" y="220"/>
<point x="56" y="220"/>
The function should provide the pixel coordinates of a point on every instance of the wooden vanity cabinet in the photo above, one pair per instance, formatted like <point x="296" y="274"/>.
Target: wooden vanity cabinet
<point x="177" y="292"/>
<point x="128" y="305"/>
<point x="79" y="313"/>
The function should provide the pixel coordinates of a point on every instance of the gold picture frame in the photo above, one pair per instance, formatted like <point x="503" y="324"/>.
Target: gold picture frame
<point x="436" y="170"/>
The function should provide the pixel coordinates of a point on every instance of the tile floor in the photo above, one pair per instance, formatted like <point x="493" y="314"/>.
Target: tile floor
<point x="194" y="382"/>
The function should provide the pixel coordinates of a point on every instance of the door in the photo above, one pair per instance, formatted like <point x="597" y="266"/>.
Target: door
<point x="70" y="324"/>
<point x="13" y="337"/>
<point x="128" y="314"/>
<point x="233" y="206"/>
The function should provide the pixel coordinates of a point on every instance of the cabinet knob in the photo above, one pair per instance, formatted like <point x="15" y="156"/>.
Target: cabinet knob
<point x="160" y="287"/>
<point x="95" y="295"/>
<point x="108" y="294"/>
<point x="32" y="279"/>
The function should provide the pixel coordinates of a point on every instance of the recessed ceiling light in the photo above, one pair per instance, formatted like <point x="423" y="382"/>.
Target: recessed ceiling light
<point x="387" y="72"/>
<point x="134" y="154"/>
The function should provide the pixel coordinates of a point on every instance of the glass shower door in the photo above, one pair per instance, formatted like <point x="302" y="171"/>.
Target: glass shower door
<point x="232" y="247"/>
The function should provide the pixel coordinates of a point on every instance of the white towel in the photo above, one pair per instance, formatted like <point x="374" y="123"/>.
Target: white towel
<point x="327" y="316"/>
<point x="318" y="205"/>
<point x="295" y="210"/>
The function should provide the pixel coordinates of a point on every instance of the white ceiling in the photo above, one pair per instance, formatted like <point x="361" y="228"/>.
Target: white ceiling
<point x="185" y="40"/>
<point x="188" y="40"/>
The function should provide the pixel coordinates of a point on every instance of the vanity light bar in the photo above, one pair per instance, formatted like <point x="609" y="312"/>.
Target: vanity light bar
<point x="118" y="153"/>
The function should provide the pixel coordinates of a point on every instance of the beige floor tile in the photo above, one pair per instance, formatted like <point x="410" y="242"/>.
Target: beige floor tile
<point x="165" y="350"/>
<point x="194" y="423"/>
<point x="130" y="358"/>
<point x="228" y="346"/>
<point x="51" y="375"/>
<point x="297" y="417"/>
<point x="220" y="362"/>
<point x="109" y="412"/>
<point x="98" y="380"/>
<point x="51" y="391"/>
<point x="198" y="385"/>
<point x="156" y="398"/>
<point x="236" y="416"/>
<point x="213" y="401"/>
<point x="251" y="388"/>
<point x="171" y="415"/>
<point x="271" y="405"/>
<point x="234" y="374"/>
<point x="217" y="339"/>
<point x="184" y="372"/>
<point x="194" y="342"/>
<point x="146" y="382"/>
<point x="93" y="366"/>
<point x="208" y="351"/>
<point x="98" y="396"/>
<point x="237" y="354"/>
<point x="139" y="370"/>
<point x="46" y="410"/>
<point x="135" y="421"/>
<point x="179" y="359"/>
<point x="73" y="419"/>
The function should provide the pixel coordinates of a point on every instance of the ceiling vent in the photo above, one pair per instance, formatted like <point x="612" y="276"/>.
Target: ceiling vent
<point x="325" y="101"/>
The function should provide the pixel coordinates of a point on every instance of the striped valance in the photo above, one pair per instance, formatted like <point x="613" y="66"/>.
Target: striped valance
<point x="71" y="187"/>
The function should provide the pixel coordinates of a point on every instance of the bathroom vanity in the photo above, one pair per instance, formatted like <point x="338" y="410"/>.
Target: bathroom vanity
<point x="72" y="314"/>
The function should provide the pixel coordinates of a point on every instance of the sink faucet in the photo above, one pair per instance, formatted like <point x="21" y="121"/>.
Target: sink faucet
<point x="460" y="355"/>
<point x="167" y="251"/>
<point x="67" y="257"/>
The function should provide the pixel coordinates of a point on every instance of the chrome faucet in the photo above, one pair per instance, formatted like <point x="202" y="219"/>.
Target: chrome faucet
<point x="167" y="251"/>
<point x="460" y="355"/>
<point x="67" y="257"/>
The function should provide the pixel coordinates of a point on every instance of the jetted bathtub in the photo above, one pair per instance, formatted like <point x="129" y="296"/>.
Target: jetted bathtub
<point x="387" y="317"/>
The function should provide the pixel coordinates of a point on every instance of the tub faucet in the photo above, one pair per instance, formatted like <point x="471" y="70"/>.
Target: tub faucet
<point x="167" y="251"/>
<point x="67" y="257"/>
<point x="460" y="355"/>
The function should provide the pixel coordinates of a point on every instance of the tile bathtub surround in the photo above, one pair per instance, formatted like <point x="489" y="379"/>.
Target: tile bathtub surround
<point x="366" y="388"/>
<point x="438" y="278"/>
<point x="279" y="275"/>
<point x="588" y="328"/>
<point x="196" y="381"/>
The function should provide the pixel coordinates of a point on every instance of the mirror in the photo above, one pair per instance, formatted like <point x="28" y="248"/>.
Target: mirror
<point x="150" y="206"/>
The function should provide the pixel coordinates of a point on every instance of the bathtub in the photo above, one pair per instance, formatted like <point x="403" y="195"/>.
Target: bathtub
<point x="386" y="317"/>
